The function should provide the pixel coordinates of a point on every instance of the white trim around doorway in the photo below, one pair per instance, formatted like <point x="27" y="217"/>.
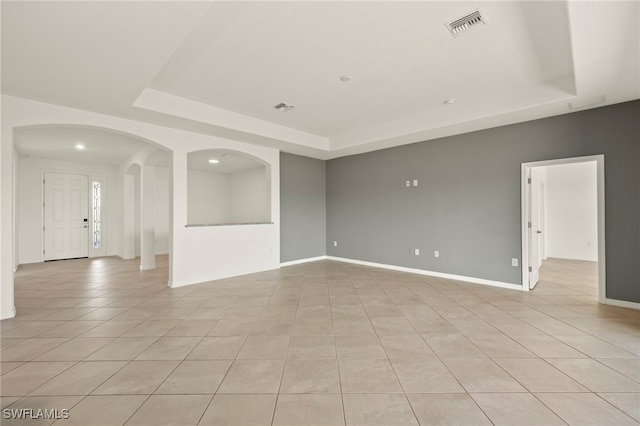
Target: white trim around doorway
<point x="524" y="203"/>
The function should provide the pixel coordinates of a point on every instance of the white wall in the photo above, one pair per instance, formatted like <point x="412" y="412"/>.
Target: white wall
<point x="207" y="197"/>
<point x="248" y="196"/>
<point x="572" y="211"/>
<point x="161" y="209"/>
<point x="29" y="204"/>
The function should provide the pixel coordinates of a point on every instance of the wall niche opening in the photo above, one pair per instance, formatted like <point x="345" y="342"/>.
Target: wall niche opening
<point x="227" y="188"/>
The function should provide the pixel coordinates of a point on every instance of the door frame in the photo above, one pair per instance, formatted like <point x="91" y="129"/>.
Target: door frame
<point x="525" y="211"/>
<point x="89" y="210"/>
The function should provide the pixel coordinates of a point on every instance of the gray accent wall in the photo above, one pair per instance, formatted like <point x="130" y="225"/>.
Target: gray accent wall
<point x="467" y="202"/>
<point x="302" y="207"/>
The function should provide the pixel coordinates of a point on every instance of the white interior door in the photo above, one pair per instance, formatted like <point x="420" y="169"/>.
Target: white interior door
<point x="535" y="231"/>
<point x="66" y="216"/>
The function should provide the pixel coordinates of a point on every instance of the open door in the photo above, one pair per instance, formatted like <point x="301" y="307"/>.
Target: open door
<point x="534" y="225"/>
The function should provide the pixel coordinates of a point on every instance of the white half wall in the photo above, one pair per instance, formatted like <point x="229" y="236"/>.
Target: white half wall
<point x="29" y="198"/>
<point x="572" y="211"/>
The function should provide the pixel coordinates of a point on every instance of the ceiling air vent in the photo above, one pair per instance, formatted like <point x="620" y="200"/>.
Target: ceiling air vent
<point x="284" y="107"/>
<point x="473" y="19"/>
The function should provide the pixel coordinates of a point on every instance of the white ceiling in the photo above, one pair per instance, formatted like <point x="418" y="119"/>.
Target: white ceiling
<point x="58" y="143"/>
<point x="219" y="67"/>
<point x="229" y="162"/>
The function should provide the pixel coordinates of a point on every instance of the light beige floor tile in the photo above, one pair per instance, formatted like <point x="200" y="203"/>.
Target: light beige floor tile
<point x="453" y="346"/>
<point x="548" y="347"/>
<point x="137" y="377"/>
<point x="595" y="376"/>
<point x="168" y="348"/>
<point x="366" y="346"/>
<point x="75" y="349"/>
<point x="313" y="327"/>
<point x="195" y="377"/>
<point x="31" y="329"/>
<point x="31" y="348"/>
<point x="353" y="327"/>
<point x="312" y="347"/>
<point x="102" y="314"/>
<point x="122" y="348"/>
<point x="626" y="366"/>
<point x="539" y="376"/>
<point x="8" y="343"/>
<point x="71" y="329"/>
<point x="499" y="346"/>
<point x="178" y="410"/>
<point x="584" y="409"/>
<point x="233" y="327"/>
<point x="367" y="375"/>
<point x="192" y="328"/>
<point x="392" y="326"/>
<point x="5" y="367"/>
<point x="308" y="410"/>
<point x="273" y="328"/>
<point x="219" y="347"/>
<point x="443" y="409"/>
<point x="264" y="347"/>
<point x="107" y="410"/>
<point x="81" y="379"/>
<point x="381" y="409"/>
<point x="310" y="376"/>
<point x="253" y="376"/>
<point x="29" y="376"/>
<point x="629" y="403"/>
<point x="151" y="328"/>
<point x="425" y="376"/>
<point x="594" y="347"/>
<point x="482" y="375"/>
<point x="515" y="409"/>
<point x="240" y="410"/>
<point x="112" y="328"/>
<point x="410" y="346"/>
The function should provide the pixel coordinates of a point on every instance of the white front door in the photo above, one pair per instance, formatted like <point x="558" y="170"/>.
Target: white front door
<point x="66" y="216"/>
<point x="535" y="218"/>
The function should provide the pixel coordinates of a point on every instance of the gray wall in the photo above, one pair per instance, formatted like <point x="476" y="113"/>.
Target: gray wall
<point x="467" y="202"/>
<point x="302" y="207"/>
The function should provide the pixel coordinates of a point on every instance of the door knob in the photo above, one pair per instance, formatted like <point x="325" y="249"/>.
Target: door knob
<point x="539" y="232"/>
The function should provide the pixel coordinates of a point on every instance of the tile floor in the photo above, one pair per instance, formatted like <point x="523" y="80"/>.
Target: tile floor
<point x="324" y="343"/>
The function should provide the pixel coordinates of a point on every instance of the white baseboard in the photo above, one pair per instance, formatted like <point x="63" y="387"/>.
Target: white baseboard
<point x="299" y="261"/>
<point x="622" y="303"/>
<point x="430" y="273"/>
<point x="12" y="314"/>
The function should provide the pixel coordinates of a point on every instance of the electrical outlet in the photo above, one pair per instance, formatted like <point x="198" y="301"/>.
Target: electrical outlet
<point x="416" y="252"/>
<point x="408" y="183"/>
<point x="436" y="253"/>
<point x="335" y="244"/>
<point x="415" y="182"/>
<point x="514" y="261"/>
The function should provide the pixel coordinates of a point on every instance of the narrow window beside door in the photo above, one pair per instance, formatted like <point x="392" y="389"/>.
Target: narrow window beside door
<point x="97" y="239"/>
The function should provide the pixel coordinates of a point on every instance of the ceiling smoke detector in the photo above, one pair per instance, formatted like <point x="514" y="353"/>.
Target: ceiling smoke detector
<point x="284" y="107"/>
<point x="466" y="22"/>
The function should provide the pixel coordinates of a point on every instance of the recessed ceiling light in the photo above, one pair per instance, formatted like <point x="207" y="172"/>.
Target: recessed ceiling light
<point x="213" y="161"/>
<point x="345" y="78"/>
<point x="449" y="101"/>
<point x="80" y="146"/>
